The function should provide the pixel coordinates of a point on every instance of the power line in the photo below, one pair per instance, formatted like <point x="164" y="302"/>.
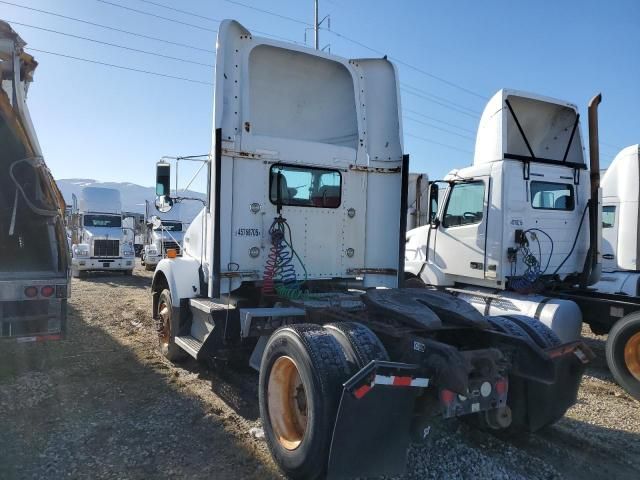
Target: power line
<point x="185" y="12"/>
<point x="268" y="12"/>
<point x="415" y="112"/>
<point x="428" y="140"/>
<point x="439" y="128"/>
<point x="122" y="67"/>
<point x="455" y="109"/>
<point x="142" y="12"/>
<point x="108" y="27"/>
<point x="408" y="65"/>
<point x="146" y="52"/>
<point x="439" y="98"/>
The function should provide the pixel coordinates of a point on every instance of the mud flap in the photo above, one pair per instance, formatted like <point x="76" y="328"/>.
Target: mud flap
<point x="548" y="403"/>
<point x="372" y="430"/>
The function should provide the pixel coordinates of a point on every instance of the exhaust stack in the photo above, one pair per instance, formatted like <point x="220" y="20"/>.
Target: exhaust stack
<point x="593" y="265"/>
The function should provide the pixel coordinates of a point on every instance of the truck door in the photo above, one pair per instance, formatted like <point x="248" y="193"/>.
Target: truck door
<point x="609" y="237"/>
<point x="460" y="245"/>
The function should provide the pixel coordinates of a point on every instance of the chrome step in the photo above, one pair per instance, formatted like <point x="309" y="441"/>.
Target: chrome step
<point x="189" y="344"/>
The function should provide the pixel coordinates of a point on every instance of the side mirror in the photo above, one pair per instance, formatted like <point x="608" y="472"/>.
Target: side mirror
<point x="163" y="179"/>
<point x="432" y="213"/>
<point x="164" y="203"/>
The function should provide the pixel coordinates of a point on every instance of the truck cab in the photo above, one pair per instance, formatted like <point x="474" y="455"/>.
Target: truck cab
<point x="99" y="238"/>
<point x="620" y="227"/>
<point x="518" y="213"/>
<point x="164" y="231"/>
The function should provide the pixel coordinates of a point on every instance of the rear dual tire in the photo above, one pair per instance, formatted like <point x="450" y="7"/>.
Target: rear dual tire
<point x="301" y="375"/>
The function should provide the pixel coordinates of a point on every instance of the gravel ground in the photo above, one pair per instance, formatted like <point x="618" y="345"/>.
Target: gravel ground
<point x="103" y="404"/>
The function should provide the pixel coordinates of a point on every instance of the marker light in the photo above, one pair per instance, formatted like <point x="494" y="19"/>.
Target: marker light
<point x="172" y="253"/>
<point x="447" y="397"/>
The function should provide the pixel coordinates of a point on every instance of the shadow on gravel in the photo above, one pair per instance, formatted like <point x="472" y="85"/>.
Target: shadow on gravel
<point x="117" y="278"/>
<point x="86" y="407"/>
<point x="594" y="452"/>
<point x="237" y="386"/>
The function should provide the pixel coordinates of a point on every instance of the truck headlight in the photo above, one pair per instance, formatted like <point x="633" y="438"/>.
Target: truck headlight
<point x="81" y="250"/>
<point x="153" y="250"/>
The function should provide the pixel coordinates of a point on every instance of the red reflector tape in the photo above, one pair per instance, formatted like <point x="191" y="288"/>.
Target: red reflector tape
<point x="361" y="391"/>
<point x="400" y="381"/>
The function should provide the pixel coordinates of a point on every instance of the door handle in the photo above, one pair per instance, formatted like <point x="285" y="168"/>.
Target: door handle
<point x="476" y="265"/>
<point x="608" y="256"/>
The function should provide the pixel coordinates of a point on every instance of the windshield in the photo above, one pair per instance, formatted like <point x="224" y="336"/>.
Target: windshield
<point x="170" y="226"/>
<point x="109" y="221"/>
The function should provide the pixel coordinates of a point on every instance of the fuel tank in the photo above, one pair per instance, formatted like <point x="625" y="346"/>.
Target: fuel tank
<point x="561" y="316"/>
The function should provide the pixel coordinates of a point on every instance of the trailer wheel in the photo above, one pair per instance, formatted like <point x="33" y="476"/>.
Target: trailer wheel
<point x="623" y="353"/>
<point x="165" y="326"/>
<point x="538" y="331"/>
<point x="301" y="375"/>
<point x="359" y="344"/>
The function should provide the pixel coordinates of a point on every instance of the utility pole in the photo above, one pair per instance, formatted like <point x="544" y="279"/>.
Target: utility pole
<point x="316" y="26"/>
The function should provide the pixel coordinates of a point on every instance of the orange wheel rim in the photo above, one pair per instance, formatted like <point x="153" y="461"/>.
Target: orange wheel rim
<point x="287" y="403"/>
<point x="632" y="355"/>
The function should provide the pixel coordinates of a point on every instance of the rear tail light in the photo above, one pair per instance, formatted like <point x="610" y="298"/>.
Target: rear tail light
<point x="30" y="292"/>
<point x="47" y="291"/>
<point x="447" y="397"/>
<point x="501" y="386"/>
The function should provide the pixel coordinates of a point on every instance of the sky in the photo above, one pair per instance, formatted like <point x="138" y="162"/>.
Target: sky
<point x="110" y="124"/>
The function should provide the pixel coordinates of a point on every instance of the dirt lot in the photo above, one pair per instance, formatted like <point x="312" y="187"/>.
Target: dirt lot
<point x="103" y="404"/>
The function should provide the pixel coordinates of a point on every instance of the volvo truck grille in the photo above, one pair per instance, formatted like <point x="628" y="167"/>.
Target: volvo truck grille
<point x="106" y="248"/>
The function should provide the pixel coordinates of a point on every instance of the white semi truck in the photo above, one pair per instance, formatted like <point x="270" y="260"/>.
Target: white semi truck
<point x="298" y="260"/>
<point x="519" y="233"/>
<point x="34" y="255"/>
<point x="99" y="238"/>
<point x="164" y="232"/>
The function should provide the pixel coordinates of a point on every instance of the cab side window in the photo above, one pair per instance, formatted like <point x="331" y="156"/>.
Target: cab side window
<point x="465" y="205"/>
<point x="608" y="216"/>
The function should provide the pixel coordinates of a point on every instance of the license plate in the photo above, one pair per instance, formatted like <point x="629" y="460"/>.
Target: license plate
<point x="106" y="265"/>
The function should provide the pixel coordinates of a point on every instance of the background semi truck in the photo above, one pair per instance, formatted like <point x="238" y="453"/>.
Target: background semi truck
<point x="164" y="231"/>
<point x="34" y="255"/>
<point x="296" y="262"/>
<point x="99" y="238"/>
<point x="519" y="232"/>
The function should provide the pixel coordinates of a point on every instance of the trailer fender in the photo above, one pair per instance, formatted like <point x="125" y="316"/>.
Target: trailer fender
<point x="180" y="275"/>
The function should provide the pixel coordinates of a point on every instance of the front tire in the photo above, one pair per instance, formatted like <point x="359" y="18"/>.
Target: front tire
<point x="166" y="327"/>
<point x="301" y="376"/>
<point x="623" y="353"/>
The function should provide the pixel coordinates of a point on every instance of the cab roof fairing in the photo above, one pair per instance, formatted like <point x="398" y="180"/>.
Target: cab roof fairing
<point x="370" y="137"/>
<point x="621" y="181"/>
<point x="547" y="122"/>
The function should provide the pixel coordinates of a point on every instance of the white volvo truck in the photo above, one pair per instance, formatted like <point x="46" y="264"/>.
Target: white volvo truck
<point x="34" y="255"/>
<point x="298" y="258"/>
<point x="99" y="239"/>
<point x="164" y="232"/>
<point x="518" y="232"/>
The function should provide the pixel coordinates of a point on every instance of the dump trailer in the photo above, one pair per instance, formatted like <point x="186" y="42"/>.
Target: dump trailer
<point x="34" y="255"/>
<point x="296" y="266"/>
<point x="99" y="238"/>
<point x="164" y="232"/>
<point x="519" y="233"/>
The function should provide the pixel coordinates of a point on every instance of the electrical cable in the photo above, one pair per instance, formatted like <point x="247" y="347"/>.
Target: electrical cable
<point x="107" y="27"/>
<point x="575" y="240"/>
<point x="113" y="65"/>
<point x="146" y="52"/>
